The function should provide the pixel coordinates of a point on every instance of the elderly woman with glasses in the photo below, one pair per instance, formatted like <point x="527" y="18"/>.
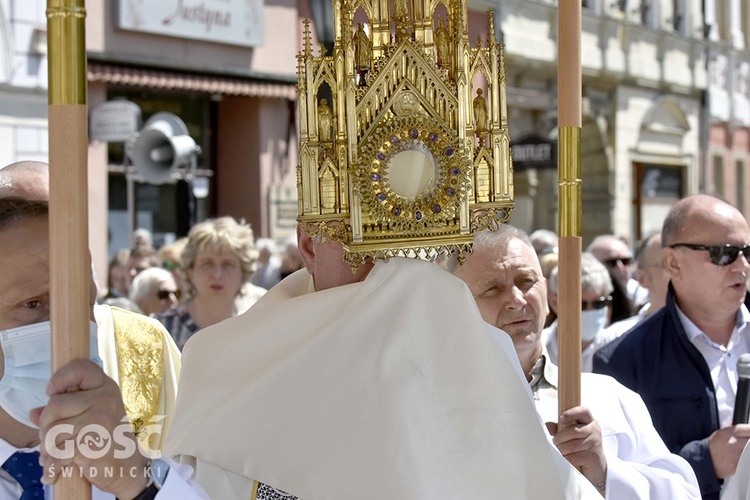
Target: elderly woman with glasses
<point x="596" y="309"/>
<point x="218" y="259"/>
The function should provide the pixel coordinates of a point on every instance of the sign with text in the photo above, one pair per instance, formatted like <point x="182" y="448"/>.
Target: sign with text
<point x="534" y="151"/>
<point x="283" y="207"/>
<point x="234" y="22"/>
<point x="114" y="121"/>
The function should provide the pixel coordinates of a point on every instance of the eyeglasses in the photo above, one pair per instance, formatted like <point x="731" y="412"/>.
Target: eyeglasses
<point x="626" y="261"/>
<point x="599" y="303"/>
<point x="548" y="249"/>
<point x="165" y="294"/>
<point x="169" y="265"/>
<point x="721" y="255"/>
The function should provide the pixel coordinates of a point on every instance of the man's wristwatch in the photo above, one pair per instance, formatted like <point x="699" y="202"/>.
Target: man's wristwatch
<point x="157" y="475"/>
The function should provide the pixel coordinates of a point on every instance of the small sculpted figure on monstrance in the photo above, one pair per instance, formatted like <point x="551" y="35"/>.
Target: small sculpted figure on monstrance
<point x="325" y="121"/>
<point x="480" y="115"/>
<point x="362" y="53"/>
<point x="442" y="44"/>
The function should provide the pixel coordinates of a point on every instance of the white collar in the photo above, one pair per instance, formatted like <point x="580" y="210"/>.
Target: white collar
<point x="7" y="449"/>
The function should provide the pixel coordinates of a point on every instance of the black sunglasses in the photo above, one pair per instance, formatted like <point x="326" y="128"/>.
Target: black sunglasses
<point x="599" y="303"/>
<point x="626" y="261"/>
<point x="164" y="294"/>
<point x="721" y="255"/>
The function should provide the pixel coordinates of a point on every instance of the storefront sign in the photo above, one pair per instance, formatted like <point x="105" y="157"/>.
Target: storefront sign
<point x="114" y="121"/>
<point x="234" y="22"/>
<point x="534" y="151"/>
<point x="283" y="208"/>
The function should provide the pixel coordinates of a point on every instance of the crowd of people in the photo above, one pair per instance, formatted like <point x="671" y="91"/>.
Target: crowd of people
<point x="672" y="329"/>
<point x="216" y="272"/>
<point x="396" y="380"/>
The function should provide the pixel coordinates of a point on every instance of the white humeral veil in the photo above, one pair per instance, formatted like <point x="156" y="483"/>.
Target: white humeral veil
<point x="393" y="388"/>
<point x="742" y="476"/>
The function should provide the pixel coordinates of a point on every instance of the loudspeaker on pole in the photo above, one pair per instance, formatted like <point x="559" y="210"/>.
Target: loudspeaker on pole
<point x="161" y="147"/>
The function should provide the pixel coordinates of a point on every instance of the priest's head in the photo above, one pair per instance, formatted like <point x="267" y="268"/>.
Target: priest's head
<point x="25" y="179"/>
<point x="324" y="260"/>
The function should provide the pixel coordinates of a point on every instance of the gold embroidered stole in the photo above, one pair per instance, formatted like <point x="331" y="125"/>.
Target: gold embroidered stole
<point x="140" y="365"/>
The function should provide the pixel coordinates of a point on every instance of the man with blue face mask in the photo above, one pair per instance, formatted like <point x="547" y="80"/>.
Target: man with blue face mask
<point x="596" y="305"/>
<point x="25" y="383"/>
<point x="610" y="437"/>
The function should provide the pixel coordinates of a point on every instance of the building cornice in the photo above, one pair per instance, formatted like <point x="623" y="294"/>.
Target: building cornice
<point x="144" y="62"/>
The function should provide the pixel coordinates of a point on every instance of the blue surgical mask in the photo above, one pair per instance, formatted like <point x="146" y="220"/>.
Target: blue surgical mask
<point x="28" y="368"/>
<point x="592" y="322"/>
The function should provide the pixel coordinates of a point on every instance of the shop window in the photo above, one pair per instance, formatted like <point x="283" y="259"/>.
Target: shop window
<point x="620" y="6"/>
<point x="718" y="171"/>
<point x="193" y="109"/>
<point x="646" y="11"/>
<point x="588" y="4"/>
<point x="169" y="209"/>
<point x="739" y="185"/>
<point x="679" y="16"/>
<point x="658" y="187"/>
<point x="722" y="18"/>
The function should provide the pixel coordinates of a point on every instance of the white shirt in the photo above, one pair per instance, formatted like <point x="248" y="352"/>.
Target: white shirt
<point x="636" y="292"/>
<point x="722" y="363"/>
<point x="177" y="484"/>
<point x="617" y="328"/>
<point x="722" y="360"/>
<point x="639" y="464"/>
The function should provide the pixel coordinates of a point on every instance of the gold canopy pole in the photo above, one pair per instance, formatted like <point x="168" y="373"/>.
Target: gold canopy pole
<point x="70" y="269"/>
<point x="569" y="196"/>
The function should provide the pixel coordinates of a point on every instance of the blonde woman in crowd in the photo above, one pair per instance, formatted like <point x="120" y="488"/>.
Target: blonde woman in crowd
<point x="218" y="259"/>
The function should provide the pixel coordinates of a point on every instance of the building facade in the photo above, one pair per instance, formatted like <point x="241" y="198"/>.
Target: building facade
<point x="644" y="66"/>
<point x="727" y="113"/>
<point x="666" y="107"/>
<point x="226" y="68"/>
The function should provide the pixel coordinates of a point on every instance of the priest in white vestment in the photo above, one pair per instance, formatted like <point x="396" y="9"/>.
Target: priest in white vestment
<point x="385" y="382"/>
<point x="383" y="387"/>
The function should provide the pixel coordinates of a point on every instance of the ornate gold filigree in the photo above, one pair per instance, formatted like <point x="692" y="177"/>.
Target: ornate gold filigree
<point x="321" y="231"/>
<point x="424" y="90"/>
<point x="439" y="202"/>
<point x="490" y="218"/>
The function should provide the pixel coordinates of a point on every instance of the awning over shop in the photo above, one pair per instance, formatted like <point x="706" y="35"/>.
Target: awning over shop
<point x="176" y="80"/>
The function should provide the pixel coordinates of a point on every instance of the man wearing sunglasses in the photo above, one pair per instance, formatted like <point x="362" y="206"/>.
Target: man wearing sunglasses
<point x="683" y="359"/>
<point x="611" y="438"/>
<point x="154" y="291"/>
<point x="618" y="258"/>
<point x="652" y="276"/>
